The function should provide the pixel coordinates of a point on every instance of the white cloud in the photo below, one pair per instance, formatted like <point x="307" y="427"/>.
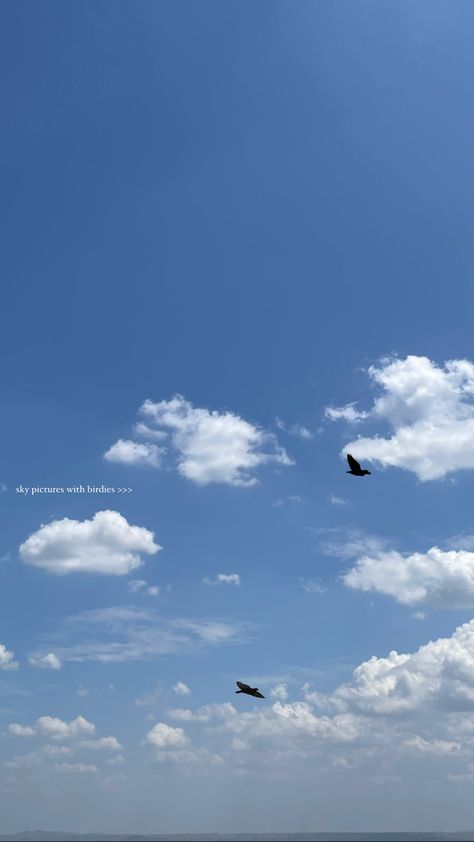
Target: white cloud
<point x="298" y="430"/>
<point x="153" y="590"/>
<point x="292" y="498"/>
<point x="213" y="446"/>
<point x="6" y="659"/>
<point x="49" y="661"/>
<point x="345" y="413"/>
<point x="206" y="713"/>
<point x="132" y="453"/>
<point x="181" y="689"/>
<point x="443" y="579"/>
<point x="58" y="729"/>
<point x="143" y="430"/>
<point x="163" y="735"/>
<point x="21" y="730"/>
<point x="430" y="410"/>
<point x="280" y="692"/>
<point x="438" y="675"/>
<point x="106" y="544"/>
<point x="102" y="744"/>
<point x="223" y="579"/>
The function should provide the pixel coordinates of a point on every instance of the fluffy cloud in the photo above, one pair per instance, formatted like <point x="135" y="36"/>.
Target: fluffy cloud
<point x="430" y="411"/>
<point x="132" y="453"/>
<point x="209" y="446"/>
<point x="6" y="659"/>
<point x="163" y="735"/>
<point x="52" y="726"/>
<point x="58" y="729"/>
<point x="49" y="661"/>
<point x="181" y="689"/>
<point x="106" y="544"/>
<point x="21" y="730"/>
<point x="223" y="579"/>
<point x="439" y="676"/>
<point x="443" y="579"/>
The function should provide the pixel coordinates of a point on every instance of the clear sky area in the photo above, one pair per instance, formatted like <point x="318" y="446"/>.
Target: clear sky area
<point x="237" y="243"/>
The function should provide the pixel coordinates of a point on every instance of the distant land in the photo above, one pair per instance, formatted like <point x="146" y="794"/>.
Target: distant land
<point x="57" y="836"/>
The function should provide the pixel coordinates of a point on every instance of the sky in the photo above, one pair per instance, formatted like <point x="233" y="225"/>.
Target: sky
<point x="237" y="244"/>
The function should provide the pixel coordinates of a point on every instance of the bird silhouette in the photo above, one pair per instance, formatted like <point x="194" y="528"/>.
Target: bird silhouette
<point x="355" y="468"/>
<point x="251" y="691"/>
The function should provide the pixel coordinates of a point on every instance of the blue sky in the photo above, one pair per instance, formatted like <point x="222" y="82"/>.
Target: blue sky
<point x="242" y="214"/>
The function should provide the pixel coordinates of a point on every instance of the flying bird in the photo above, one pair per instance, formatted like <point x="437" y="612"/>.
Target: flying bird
<point x="251" y="691"/>
<point x="355" y="468"/>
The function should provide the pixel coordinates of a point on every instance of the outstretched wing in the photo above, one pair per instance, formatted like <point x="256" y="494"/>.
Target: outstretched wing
<point x="258" y="694"/>
<point x="353" y="463"/>
<point x="241" y="686"/>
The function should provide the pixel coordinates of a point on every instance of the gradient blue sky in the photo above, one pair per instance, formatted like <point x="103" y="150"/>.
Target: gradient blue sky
<point x="249" y="205"/>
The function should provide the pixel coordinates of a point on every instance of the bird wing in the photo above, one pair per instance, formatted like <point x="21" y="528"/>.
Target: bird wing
<point x="353" y="463"/>
<point x="259" y="695"/>
<point x="242" y="686"/>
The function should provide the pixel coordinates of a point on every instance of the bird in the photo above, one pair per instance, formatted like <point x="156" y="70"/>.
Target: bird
<point x="355" y="468"/>
<point x="251" y="691"/>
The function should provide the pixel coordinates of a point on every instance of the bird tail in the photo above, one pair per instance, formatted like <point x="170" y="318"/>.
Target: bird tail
<point x="239" y="691"/>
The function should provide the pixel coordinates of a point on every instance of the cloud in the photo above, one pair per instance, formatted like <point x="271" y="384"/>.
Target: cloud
<point x="181" y="689"/>
<point x="443" y="579"/>
<point x="76" y="768"/>
<point x="337" y="501"/>
<point x="347" y="543"/>
<point x="163" y="735"/>
<point x="6" y="659"/>
<point x="132" y="453"/>
<point x="312" y="586"/>
<point x="58" y="729"/>
<point x="438" y="676"/>
<point x="292" y="498"/>
<point x="210" y="446"/>
<point x="345" y="413"/>
<point x="280" y="692"/>
<point x="142" y="586"/>
<point x="102" y="744"/>
<point x="21" y="730"/>
<point x="127" y="633"/>
<point x="106" y="544"/>
<point x="52" y="726"/>
<point x="430" y="411"/>
<point x="206" y="713"/>
<point x="223" y="579"/>
<point x="297" y="430"/>
<point x="49" y="661"/>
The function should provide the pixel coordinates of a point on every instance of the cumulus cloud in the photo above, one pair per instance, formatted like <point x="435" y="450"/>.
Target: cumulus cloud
<point x="106" y="544"/>
<point x="53" y="727"/>
<point x="280" y="692"/>
<point x="6" y="659"/>
<point x="133" y="453"/>
<point x="181" y="689"/>
<point x="439" y="675"/>
<point x="443" y="579"/>
<point x="58" y="729"/>
<point x="49" y="661"/>
<point x="430" y="411"/>
<point x="163" y="735"/>
<point x="223" y="579"/>
<point x="209" y="446"/>
<point x="21" y="730"/>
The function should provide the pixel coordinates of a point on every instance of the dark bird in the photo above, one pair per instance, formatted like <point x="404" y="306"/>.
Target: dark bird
<point x="251" y="691"/>
<point x="355" y="468"/>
